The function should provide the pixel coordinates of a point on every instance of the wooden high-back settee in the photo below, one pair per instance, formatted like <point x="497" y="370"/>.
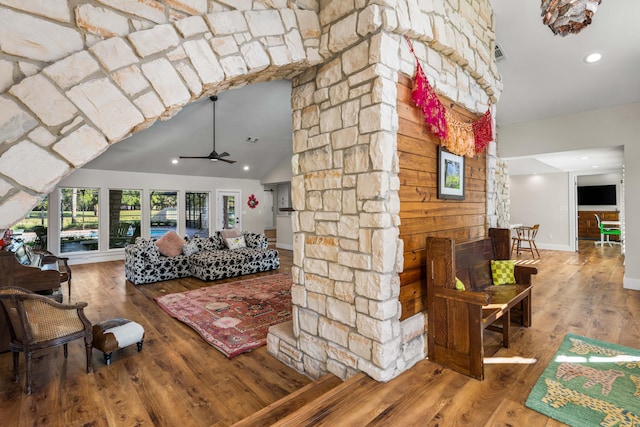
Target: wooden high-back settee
<point x="457" y="318"/>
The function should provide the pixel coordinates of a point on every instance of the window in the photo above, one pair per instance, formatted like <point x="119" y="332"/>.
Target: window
<point x="124" y="217"/>
<point x="33" y="229"/>
<point x="79" y="219"/>
<point x="197" y="214"/>
<point x="164" y="212"/>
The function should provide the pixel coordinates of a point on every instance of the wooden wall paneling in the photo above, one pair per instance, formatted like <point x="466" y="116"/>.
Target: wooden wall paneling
<point x="422" y="214"/>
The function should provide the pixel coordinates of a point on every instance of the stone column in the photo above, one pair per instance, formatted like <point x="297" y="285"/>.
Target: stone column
<point x="345" y="193"/>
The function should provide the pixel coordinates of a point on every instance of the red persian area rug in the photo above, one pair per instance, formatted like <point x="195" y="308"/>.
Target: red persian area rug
<point x="234" y="317"/>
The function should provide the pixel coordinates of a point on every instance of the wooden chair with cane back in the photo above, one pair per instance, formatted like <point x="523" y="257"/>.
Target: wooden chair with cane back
<point x="38" y="322"/>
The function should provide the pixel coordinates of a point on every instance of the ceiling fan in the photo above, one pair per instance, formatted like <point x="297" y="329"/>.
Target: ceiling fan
<point x="213" y="156"/>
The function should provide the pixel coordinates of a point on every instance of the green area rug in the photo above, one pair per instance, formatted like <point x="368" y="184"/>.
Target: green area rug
<point x="590" y="383"/>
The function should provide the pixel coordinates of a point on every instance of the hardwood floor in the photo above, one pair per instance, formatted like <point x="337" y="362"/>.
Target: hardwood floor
<point x="179" y="380"/>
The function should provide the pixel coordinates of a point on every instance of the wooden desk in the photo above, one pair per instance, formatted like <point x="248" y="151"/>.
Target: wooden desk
<point x="588" y="226"/>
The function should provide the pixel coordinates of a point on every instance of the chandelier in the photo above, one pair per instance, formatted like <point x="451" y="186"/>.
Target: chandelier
<point x="568" y="16"/>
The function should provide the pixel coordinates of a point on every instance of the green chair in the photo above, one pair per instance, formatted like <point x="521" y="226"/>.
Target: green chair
<point x="606" y="232"/>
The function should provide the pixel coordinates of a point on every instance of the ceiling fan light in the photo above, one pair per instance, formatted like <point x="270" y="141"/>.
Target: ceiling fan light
<point x="593" y="57"/>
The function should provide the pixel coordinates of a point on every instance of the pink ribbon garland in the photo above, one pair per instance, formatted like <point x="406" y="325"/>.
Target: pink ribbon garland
<point x="483" y="131"/>
<point x="426" y="98"/>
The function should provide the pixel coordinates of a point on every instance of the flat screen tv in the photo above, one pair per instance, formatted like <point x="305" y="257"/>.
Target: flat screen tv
<point x="597" y="195"/>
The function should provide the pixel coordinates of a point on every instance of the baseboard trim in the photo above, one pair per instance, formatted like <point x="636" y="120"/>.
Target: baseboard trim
<point x="283" y="246"/>
<point x="91" y="257"/>
<point x="631" y="283"/>
<point x="551" y="247"/>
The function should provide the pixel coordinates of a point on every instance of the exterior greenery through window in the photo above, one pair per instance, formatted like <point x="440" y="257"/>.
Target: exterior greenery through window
<point x="33" y="228"/>
<point x="124" y="217"/>
<point x="79" y="219"/>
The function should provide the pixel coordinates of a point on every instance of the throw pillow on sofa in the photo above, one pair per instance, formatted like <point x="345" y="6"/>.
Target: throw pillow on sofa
<point x="216" y="241"/>
<point x="190" y="248"/>
<point x="255" y="240"/>
<point x="170" y="244"/>
<point x="203" y="244"/>
<point x="229" y="233"/>
<point x="236" y="242"/>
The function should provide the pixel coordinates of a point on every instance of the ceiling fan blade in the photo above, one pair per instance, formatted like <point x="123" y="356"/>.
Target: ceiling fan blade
<point x="194" y="157"/>
<point x="225" y="154"/>
<point x="228" y="161"/>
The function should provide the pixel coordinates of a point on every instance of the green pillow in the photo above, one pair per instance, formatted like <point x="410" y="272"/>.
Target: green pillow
<point x="459" y="285"/>
<point x="502" y="272"/>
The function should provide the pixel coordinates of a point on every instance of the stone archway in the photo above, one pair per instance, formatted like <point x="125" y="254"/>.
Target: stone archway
<point x="72" y="110"/>
<point x="343" y="60"/>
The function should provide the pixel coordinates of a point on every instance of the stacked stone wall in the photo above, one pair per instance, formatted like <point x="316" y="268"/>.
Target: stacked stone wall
<point x="502" y="195"/>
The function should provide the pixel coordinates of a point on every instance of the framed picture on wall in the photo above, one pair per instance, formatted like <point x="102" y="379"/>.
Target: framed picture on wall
<point x="450" y="175"/>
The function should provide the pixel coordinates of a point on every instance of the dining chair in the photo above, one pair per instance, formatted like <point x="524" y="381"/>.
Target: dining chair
<point x="526" y="235"/>
<point x="606" y="232"/>
<point x="37" y="322"/>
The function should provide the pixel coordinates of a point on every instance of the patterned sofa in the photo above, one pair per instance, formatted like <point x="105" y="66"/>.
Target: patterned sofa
<point x="205" y="258"/>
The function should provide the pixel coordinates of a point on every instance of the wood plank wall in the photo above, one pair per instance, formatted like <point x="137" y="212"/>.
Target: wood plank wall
<point x="422" y="214"/>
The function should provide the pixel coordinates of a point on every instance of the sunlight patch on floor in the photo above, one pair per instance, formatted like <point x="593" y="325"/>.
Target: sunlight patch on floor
<point x="514" y="360"/>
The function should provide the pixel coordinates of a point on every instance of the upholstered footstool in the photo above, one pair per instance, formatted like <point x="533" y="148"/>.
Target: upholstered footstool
<point x="114" y="334"/>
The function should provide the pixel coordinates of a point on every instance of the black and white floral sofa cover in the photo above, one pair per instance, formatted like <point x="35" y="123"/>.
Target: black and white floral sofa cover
<point x="205" y="258"/>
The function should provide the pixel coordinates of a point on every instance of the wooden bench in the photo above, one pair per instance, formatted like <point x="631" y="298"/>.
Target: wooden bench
<point x="458" y="318"/>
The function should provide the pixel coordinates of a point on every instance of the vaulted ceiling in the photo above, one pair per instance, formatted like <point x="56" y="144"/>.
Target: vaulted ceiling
<point x="260" y="110"/>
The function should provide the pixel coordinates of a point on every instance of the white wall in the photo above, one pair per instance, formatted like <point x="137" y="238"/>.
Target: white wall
<point x="284" y="236"/>
<point x="280" y="176"/>
<point x="542" y="199"/>
<point x="599" y="128"/>
<point x="281" y="173"/>
<point x="252" y="219"/>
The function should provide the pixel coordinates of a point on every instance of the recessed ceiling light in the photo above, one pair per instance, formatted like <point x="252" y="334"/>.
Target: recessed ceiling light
<point x="246" y="168"/>
<point x="595" y="166"/>
<point x="585" y="158"/>
<point x="594" y="57"/>
<point x="174" y="161"/>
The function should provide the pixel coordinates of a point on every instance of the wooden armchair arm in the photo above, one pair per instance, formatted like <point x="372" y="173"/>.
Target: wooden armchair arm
<point x="523" y="274"/>
<point x="467" y="297"/>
